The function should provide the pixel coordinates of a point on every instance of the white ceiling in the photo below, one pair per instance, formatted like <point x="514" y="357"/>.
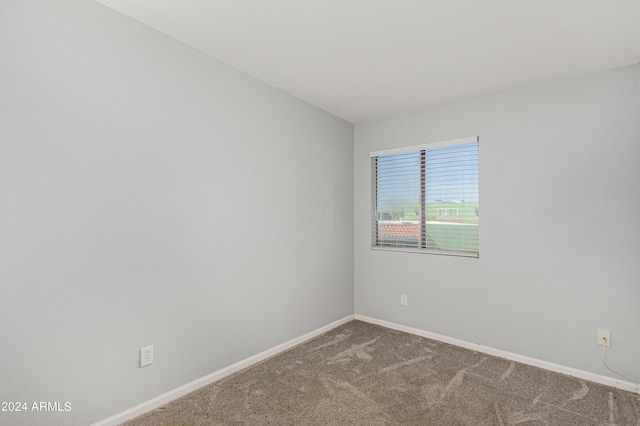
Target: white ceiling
<point x="364" y="60"/>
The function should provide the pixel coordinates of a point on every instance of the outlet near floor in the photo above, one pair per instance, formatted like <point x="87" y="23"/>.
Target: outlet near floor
<point x="604" y="337"/>
<point x="146" y="356"/>
<point x="403" y="299"/>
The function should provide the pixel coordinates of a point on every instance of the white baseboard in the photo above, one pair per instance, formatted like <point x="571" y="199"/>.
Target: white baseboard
<point x="166" y="397"/>
<point x="581" y="374"/>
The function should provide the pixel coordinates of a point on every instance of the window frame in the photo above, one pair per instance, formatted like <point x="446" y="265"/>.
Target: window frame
<point x="422" y="148"/>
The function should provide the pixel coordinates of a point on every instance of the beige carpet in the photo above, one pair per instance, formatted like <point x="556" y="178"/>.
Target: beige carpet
<point x="364" y="374"/>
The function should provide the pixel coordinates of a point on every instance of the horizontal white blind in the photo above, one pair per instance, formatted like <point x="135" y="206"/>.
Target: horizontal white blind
<point x="427" y="199"/>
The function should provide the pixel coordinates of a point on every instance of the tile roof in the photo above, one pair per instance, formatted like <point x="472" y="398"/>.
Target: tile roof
<point x="398" y="230"/>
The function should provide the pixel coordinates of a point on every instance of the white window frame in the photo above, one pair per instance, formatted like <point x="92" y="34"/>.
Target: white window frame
<point x="374" y="212"/>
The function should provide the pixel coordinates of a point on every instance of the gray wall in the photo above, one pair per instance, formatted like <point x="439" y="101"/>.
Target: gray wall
<point x="151" y="195"/>
<point x="559" y="225"/>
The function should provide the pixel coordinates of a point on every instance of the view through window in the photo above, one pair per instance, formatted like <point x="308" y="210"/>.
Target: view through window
<point x="425" y="198"/>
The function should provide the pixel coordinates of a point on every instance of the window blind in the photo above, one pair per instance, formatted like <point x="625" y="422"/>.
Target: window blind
<point x="425" y="198"/>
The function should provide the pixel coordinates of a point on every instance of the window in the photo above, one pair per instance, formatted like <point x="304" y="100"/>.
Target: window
<point x="425" y="198"/>
<point x="447" y="212"/>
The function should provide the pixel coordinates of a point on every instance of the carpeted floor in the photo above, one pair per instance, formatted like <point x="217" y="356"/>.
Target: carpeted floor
<point x="364" y="374"/>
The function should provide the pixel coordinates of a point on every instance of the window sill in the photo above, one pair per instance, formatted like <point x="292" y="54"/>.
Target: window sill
<point x="426" y="251"/>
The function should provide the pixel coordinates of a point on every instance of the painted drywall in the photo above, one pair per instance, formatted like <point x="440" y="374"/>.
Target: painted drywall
<point x="152" y="195"/>
<point x="559" y="225"/>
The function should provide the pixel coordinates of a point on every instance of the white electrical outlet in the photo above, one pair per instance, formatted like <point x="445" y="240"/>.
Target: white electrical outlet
<point x="146" y="356"/>
<point x="604" y="337"/>
<point x="403" y="299"/>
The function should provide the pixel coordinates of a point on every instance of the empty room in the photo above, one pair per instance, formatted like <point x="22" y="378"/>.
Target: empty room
<point x="319" y="212"/>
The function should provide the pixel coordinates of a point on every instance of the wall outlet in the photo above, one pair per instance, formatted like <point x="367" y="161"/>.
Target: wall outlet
<point x="604" y="337"/>
<point x="403" y="299"/>
<point x="146" y="356"/>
